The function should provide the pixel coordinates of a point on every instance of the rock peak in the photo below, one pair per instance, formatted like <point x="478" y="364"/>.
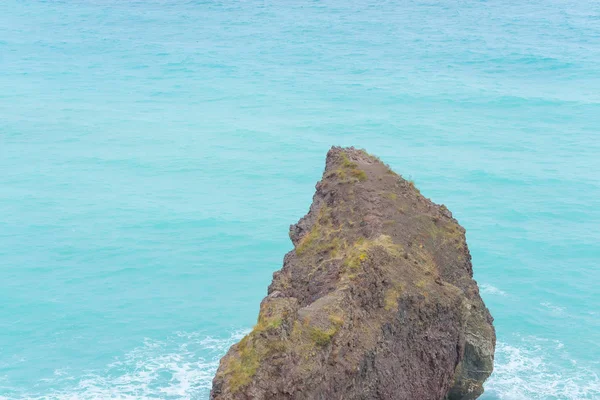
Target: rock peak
<point x="376" y="301"/>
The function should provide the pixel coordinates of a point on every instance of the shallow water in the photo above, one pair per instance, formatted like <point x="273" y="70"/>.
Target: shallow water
<point x="154" y="153"/>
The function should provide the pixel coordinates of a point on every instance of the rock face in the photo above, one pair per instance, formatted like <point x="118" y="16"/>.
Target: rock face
<point x="376" y="301"/>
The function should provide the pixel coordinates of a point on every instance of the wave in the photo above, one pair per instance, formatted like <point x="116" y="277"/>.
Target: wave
<point x="539" y="369"/>
<point x="553" y="308"/>
<point x="181" y="367"/>
<point x="489" y="289"/>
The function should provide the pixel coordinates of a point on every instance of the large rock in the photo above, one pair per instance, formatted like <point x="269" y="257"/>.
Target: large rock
<point x="376" y="301"/>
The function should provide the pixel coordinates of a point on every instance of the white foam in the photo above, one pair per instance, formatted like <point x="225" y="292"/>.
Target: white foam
<point x="529" y="369"/>
<point x="171" y="369"/>
<point x="539" y="369"/>
<point x="489" y="289"/>
<point x="555" y="309"/>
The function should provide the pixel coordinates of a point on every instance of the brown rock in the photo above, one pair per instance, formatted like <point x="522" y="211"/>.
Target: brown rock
<point x="376" y="301"/>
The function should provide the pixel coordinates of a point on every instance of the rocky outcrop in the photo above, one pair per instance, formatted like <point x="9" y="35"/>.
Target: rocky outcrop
<point x="376" y="301"/>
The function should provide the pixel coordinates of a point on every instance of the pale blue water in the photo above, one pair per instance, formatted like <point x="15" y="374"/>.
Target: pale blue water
<point x="153" y="154"/>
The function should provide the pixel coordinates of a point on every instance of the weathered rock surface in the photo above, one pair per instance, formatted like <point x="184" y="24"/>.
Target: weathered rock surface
<point x="376" y="301"/>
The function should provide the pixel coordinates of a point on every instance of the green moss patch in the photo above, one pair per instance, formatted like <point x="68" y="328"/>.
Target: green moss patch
<point x="322" y="337"/>
<point x="349" y="171"/>
<point x="242" y="368"/>
<point x="322" y="237"/>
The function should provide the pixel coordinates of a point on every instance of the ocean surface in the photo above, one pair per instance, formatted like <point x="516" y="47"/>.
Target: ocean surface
<point x="154" y="153"/>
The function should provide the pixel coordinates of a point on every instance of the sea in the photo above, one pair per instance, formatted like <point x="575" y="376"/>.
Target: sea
<point x="154" y="153"/>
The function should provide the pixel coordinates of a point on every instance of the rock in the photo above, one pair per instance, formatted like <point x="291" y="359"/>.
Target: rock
<point x="376" y="301"/>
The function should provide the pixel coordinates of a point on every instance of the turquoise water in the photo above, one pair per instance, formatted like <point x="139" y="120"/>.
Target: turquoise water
<point x="153" y="154"/>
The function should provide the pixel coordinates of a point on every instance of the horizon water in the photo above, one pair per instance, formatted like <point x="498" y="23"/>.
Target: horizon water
<point x="154" y="153"/>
